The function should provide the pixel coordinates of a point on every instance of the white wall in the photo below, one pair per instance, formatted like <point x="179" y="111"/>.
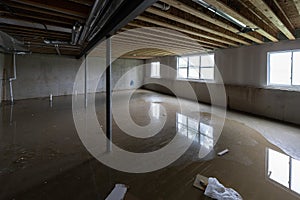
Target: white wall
<point x="40" y="75"/>
<point x="244" y="71"/>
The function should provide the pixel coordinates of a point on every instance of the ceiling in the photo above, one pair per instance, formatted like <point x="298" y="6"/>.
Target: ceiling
<point x="63" y="27"/>
<point x="66" y="27"/>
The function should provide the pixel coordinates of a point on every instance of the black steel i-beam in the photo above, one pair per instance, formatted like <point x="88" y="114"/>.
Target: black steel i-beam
<point x="108" y="90"/>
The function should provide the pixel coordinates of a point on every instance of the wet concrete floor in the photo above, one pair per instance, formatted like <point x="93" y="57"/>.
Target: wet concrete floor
<point x="42" y="156"/>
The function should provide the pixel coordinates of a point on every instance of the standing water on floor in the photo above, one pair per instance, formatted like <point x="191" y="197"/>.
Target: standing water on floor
<point x="42" y="156"/>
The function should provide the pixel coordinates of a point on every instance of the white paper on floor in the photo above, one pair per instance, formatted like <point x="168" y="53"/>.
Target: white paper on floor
<point x="118" y="193"/>
<point x="217" y="191"/>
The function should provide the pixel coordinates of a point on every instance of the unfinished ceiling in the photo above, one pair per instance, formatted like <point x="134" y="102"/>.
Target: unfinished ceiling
<point x="67" y="27"/>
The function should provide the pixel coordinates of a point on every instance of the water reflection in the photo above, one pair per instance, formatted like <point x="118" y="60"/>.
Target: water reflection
<point x="284" y="170"/>
<point x="195" y="130"/>
<point x="155" y="110"/>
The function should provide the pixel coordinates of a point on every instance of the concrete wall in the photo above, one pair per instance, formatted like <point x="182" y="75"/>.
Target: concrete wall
<point x="1" y="75"/>
<point x="41" y="75"/>
<point x="244" y="72"/>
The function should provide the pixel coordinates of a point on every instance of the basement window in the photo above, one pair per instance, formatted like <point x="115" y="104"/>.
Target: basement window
<point x="197" y="67"/>
<point x="284" y="68"/>
<point x="155" y="69"/>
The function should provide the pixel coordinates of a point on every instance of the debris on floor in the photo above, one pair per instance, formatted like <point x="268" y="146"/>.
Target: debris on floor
<point x="118" y="193"/>
<point x="221" y="153"/>
<point x="200" y="182"/>
<point x="214" y="189"/>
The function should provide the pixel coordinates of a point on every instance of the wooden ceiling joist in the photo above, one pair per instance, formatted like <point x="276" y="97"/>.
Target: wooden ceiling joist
<point x="175" y="35"/>
<point x="255" y="23"/>
<point x="69" y="7"/>
<point x="166" y="25"/>
<point x="157" y="43"/>
<point x="297" y="4"/>
<point x="221" y="33"/>
<point x="268" y="12"/>
<point x="163" y="37"/>
<point x="197" y="13"/>
<point x="17" y="5"/>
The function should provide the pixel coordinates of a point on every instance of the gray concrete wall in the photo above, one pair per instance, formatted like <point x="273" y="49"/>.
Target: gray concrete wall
<point x="244" y="72"/>
<point x="41" y="75"/>
<point x="1" y="75"/>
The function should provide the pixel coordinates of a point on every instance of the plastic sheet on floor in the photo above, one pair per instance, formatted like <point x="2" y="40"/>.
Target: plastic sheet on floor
<point x="217" y="191"/>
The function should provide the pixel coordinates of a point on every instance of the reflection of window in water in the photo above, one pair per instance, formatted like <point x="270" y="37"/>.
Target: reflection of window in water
<point x="284" y="170"/>
<point x="155" y="110"/>
<point x="191" y="128"/>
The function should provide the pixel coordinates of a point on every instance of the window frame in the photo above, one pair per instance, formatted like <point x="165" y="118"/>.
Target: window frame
<point x="291" y="85"/>
<point x="199" y="67"/>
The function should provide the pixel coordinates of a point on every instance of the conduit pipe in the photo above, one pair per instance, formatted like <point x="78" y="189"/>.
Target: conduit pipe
<point x="94" y="14"/>
<point x="13" y="79"/>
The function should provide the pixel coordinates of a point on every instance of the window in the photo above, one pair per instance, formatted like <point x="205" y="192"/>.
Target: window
<point x="284" y="170"/>
<point x="196" y="67"/>
<point x="284" y="68"/>
<point x="155" y="69"/>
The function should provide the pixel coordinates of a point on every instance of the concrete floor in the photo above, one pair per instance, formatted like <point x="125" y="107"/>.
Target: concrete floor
<point x="42" y="157"/>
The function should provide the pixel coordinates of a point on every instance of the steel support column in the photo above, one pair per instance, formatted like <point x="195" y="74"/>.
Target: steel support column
<point x="108" y="92"/>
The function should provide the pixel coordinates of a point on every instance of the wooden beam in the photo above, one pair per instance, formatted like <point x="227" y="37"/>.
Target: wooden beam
<point x="257" y="23"/>
<point x="229" y="35"/>
<point x="174" y="35"/>
<point x="155" y="43"/>
<point x="164" y="36"/>
<point x="268" y="12"/>
<point x="48" y="13"/>
<point x="297" y="4"/>
<point x="166" y="25"/>
<point x="181" y="6"/>
<point x="68" y="7"/>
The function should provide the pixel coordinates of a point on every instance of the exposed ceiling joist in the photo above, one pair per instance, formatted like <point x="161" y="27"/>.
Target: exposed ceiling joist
<point x="46" y="12"/>
<point x="184" y="37"/>
<point x="269" y="13"/>
<point x="69" y="7"/>
<point x="297" y="4"/>
<point x="227" y="35"/>
<point x="167" y="37"/>
<point x="34" y="25"/>
<point x="138" y="36"/>
<point x="197" y="13"/>
<point x="214" y="41"/>
<point x="262" y="27"/>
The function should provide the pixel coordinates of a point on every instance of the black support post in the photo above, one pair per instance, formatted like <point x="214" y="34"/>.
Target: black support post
<point x="108" y="92"/>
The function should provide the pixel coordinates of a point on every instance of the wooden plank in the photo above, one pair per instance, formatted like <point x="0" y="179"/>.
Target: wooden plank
<point x="166" y="25"/>
<point x="257" y="23"/>
<point x="48" y="13"/>
<point x="181" y="6"/>
<point x="68" y="7"/>
<point x="268" y="12"/>
<point x="175" y="35"/>
<point x="297" y="4"/>
<point x="229" y="35"/>
<point x="165" y="36"/>
<point x="158" y="44"/>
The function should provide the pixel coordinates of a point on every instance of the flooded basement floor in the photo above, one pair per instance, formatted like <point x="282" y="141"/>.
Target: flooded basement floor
<point x="42" y="156"/>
